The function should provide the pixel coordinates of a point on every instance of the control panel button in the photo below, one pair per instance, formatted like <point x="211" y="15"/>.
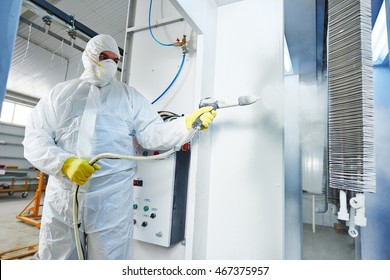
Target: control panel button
<point x="146" y="208"/>
<point x="153" y="215"/>
<point x="185" y="147"/>
<point x="135" y="206"/>
<point x="144" y="224"/>
<point x="137" y="182"/>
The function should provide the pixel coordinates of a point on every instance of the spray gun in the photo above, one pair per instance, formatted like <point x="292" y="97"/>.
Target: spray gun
<point x="224" y="103"/>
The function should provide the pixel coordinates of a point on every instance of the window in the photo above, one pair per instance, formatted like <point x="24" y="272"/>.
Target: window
<point x="7" y="112"/>
<point x="15" y="113"/>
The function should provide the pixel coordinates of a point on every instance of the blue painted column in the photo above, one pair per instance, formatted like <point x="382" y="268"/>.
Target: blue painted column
<point x="292" y="171"/>
<point x="387" y="4"/>
<point x="9" y="20"/>
<point x="375" y="237"/>
<point x="375" y="244"/>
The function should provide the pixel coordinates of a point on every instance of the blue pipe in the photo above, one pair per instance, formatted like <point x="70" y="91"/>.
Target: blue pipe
<point x="174" y="79"/>
<point x="150" y="27"/>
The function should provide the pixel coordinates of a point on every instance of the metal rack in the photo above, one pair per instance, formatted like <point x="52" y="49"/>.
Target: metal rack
<point x="14" y="180"/>
<point x="16" y="173"/>
<point x="32" y="215"/>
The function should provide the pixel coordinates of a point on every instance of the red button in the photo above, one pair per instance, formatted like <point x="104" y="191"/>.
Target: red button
<point x="185" y="147"/>
<point x="137" y="183"/>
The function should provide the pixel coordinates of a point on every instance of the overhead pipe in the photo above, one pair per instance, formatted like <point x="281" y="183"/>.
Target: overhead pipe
<point x="69" y="19"/>
<point x="56" y="36"/>
<point x="43" y="30"/>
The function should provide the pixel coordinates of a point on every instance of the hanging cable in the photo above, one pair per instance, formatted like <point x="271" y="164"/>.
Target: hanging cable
<point x="150" y="27"/>
<point x="61" y="47"/>
<point x="18" y="73"/>
<point x="174" y="79"/>
<point x="28" y="44"/>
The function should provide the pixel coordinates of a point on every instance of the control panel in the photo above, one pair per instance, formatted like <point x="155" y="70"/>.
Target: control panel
<point x="160" y="198"/>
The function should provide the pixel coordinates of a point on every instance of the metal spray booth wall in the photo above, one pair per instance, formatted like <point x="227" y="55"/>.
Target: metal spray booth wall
<point x="235" y="206"/>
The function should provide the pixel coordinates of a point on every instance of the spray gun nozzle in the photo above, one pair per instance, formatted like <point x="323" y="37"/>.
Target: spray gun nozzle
<point x="218" y="103"/>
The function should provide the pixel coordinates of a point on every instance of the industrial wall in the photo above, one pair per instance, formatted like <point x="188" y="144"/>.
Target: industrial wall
<point x="246" y="198"/>
<point x="16" y="173"/>
<point x="235" y="207"/>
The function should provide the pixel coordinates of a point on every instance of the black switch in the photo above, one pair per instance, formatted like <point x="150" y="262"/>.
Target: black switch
<point x="137" y="183"/>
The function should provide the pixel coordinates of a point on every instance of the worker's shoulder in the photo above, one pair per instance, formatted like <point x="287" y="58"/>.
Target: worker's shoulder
<point x="65" y="84"/>
<point x="63" y="90"/>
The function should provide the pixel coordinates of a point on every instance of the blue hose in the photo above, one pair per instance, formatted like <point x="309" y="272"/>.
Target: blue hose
<point x="150" y="27"/>
<point x="174" y="79"/>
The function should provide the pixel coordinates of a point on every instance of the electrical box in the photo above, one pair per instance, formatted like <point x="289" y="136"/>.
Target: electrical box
<point x="160" y="198"/>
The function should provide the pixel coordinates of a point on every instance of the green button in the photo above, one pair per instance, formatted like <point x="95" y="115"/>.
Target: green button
<point x="135" y="206"/>
<point x="146" y="208"/>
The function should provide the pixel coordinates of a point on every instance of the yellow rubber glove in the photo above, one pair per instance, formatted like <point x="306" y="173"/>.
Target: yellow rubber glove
<point x="79" y="170"/>
<point x="206" y="114"/>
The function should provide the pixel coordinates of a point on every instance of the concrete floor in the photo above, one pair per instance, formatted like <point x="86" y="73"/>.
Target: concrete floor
<point x="324" y="244"/>
<point x="327" y="244"/>
<point x="13" y="232"/>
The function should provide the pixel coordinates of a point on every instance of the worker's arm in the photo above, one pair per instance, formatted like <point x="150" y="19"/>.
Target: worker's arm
<point x="40" y="148"/>
<point x="151" y="131"/>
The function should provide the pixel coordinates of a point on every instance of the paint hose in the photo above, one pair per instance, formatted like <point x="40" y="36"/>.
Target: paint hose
<point x="187" y="138"/>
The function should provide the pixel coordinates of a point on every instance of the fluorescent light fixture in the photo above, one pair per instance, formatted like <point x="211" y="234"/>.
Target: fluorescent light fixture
<point x="288" y="69"/>
<point x="380" y="47"/>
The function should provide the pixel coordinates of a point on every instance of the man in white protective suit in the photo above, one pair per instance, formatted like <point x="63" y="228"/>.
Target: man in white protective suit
<point x="78" y="120"/>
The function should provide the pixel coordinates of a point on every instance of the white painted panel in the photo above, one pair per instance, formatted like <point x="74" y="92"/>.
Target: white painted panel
<point x="246" y="203"/>
<point x="151" y="70"/>
<point x="236" y="200"/>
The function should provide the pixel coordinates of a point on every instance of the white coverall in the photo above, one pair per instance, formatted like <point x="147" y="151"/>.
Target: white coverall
<point x="83" y="118"/>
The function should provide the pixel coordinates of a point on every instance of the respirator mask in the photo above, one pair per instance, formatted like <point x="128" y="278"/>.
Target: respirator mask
<point x="105" y="71"/>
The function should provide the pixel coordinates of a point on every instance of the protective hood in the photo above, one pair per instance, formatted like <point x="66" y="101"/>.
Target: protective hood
<point x="98" y="73"/>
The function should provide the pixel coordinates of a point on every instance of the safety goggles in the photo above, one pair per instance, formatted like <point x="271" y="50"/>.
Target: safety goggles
<point x="103" y="56"/>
